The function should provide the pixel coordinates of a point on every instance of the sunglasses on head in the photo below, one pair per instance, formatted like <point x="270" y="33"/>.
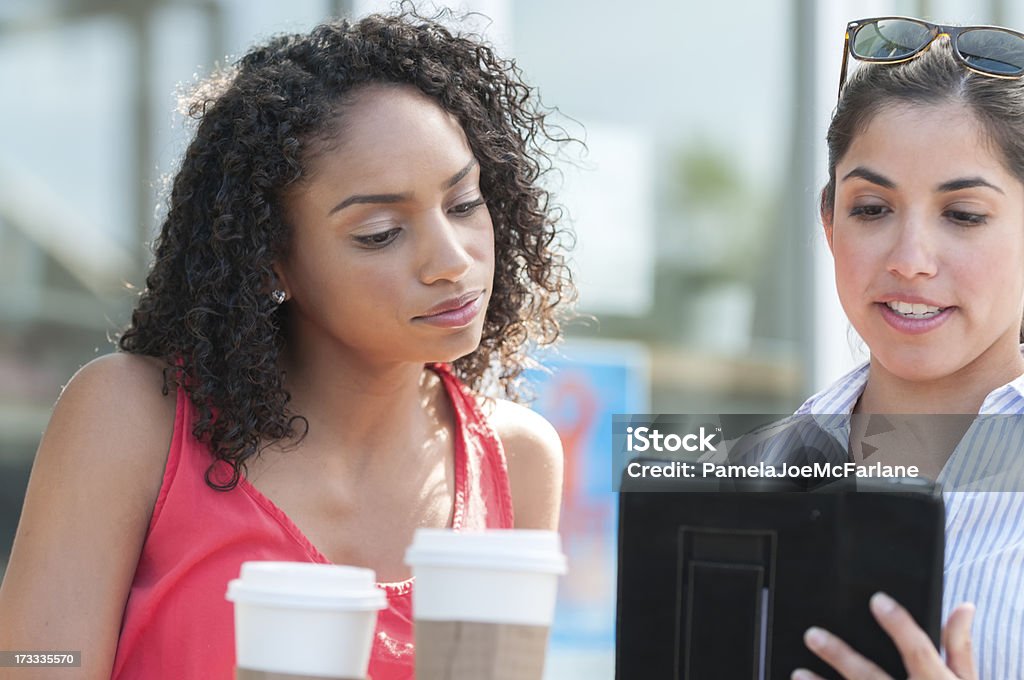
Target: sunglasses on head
<point x="988" y="50"/>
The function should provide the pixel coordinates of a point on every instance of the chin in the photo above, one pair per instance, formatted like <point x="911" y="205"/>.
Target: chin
<point x="914" y="367"/>
<point x="458" y="346"/>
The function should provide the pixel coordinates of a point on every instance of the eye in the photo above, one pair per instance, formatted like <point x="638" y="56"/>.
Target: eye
<point x="867" y="213"/>
<point x="965" y="219"/>
<point x="379" y="239"/>
<point x="468" y="208"/>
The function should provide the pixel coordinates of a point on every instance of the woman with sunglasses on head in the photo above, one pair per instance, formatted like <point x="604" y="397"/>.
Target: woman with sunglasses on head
<point x="924" y="216"/>
<point x="356" y="245"/>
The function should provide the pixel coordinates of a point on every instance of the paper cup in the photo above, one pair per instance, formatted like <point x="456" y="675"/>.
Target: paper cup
<point x="304" y="619"/>
<point x="483" y="602"/>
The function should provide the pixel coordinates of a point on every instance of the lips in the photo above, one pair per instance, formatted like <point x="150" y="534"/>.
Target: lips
<point x="451" y="304"/>
<point x="915" y="321"/>
<point x="454" y="312"/>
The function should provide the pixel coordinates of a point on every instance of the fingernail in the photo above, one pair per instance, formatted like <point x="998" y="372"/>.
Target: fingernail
<point x="815" y="637"/>
<point x="882" y="604"/>
<point x="801" y="674"/>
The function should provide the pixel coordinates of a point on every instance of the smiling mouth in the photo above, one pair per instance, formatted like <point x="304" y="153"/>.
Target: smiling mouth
<point x="914" y="310"/>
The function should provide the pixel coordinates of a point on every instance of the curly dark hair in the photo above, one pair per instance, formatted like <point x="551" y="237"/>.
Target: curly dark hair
<point x="206" y="310"/>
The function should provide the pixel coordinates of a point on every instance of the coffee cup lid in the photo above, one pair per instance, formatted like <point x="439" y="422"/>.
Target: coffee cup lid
<point x="308" y="585"/>
<point x="502" y="549"/>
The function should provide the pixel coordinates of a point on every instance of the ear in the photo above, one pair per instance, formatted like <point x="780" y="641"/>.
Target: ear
<point x="827" y="214"/>
<point x="826" y="223"/>
<point x="280" y="280"/>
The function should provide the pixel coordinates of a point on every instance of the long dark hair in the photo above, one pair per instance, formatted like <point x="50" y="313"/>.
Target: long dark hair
<point x="206" y="309"/>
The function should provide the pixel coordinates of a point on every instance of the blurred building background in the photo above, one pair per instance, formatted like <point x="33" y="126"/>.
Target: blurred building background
<point x="699" y="251"/>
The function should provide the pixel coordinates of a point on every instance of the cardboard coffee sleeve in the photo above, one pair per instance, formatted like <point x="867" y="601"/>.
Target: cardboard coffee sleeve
<point x="246" y="674"/>
<point x="465" y="650"/>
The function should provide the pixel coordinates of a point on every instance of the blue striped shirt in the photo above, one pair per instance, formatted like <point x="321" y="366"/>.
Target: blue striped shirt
<point x="984" y="561"/>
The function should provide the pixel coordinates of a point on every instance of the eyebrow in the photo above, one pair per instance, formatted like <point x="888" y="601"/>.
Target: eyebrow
<point x="945" y="187"/>
<point x="968" y="183"/>
<point x="871" y="176"/>
<point x="458" y="177"/>
<point x="397" y="198"/>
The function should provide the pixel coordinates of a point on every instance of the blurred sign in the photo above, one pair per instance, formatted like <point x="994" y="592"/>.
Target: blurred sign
<point x="590" y="382"/>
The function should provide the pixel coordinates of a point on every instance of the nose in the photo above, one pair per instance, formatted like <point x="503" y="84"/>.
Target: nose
<point x="912" y="253"/>
<point x="444" y="252"/>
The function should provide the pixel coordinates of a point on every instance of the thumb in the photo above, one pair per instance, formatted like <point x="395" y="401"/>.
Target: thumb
<point x="956" y="639"/>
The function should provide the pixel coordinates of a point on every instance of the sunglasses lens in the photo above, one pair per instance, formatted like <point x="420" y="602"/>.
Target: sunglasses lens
<point x="992" y="51"/>
<point x="890" y="39"/>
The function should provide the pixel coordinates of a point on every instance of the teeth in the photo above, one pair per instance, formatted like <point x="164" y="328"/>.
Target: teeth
<point x="913" y="310"/>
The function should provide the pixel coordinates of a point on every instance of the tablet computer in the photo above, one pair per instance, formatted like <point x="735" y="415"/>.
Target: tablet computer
<point x="723" y="584"/>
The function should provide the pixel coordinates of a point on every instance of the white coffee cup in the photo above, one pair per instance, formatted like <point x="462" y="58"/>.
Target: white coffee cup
<point x="304" y="619"/>
<point x="494" y="576"/>
<point x="483" y="601"/>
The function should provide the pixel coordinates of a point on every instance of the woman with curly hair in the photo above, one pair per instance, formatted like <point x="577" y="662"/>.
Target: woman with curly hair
<point x="356" y="245"/>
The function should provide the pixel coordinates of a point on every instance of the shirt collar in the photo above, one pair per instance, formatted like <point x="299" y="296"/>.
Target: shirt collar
<point x="839" y="398"/>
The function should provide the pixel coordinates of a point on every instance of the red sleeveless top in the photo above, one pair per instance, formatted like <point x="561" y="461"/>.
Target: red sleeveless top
<point x="177" y="624"/>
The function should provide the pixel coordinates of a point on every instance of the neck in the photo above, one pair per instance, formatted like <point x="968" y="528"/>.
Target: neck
<point x="360" y="408"/>
<point x="963" y="391"/>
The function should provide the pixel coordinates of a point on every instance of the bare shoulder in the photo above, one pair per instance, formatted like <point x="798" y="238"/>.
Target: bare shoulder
<point x="115" y="409"/>
<point x="94" y="482"/>
<point x="534" y="453"/>
<point x="141" y="375"/>
<point x="120" y="400"/>
<point x="524" y="432"/>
